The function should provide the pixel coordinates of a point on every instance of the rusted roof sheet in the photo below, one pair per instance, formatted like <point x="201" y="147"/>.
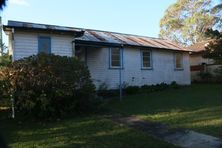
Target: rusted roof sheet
<point x="105" y="37"/>
<point x="128" y="40"/>
<point x="200" y="46"/>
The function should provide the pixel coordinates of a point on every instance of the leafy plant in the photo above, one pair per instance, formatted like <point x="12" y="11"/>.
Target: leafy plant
<point x="50" y="86"/>
<point x="206" y="76"/>
<point x="174" y="85"/>
<point x="132" y="90"/>
<point x="5" y="60"/>
<point x="185" y="21"/>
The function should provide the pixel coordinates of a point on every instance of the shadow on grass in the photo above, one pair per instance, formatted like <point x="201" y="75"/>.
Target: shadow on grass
<point x="197" y="107"/>
<point x="94" y="131"/>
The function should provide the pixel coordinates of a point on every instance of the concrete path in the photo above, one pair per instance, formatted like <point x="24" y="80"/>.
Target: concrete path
<point x="178" y="137"/>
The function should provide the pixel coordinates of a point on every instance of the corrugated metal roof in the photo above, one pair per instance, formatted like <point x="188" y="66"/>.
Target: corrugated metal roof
<point x="128" y="39"/>
<point x="106" y="37"/>
<point x="199" y="46"/>
<point x="29" y="25"/>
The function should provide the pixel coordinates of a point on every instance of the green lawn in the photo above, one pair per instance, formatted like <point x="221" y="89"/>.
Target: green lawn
<point x="197" y="107"/>
<point x="94" y="131"/>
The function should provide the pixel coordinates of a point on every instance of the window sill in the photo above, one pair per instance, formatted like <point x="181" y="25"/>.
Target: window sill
<point x="116" y="68"/>
<point x="150" y="68"/>
<point x="178" y="69"/>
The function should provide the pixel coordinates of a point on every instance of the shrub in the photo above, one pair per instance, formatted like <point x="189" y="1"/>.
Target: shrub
<point x="132" y="90"/>
<point x="5" y="60"/>
<point x="161" y="86"/>
<point x="51" y="86"/>
<point x="218" y="74"/>
<point x="205" y="76"/>
<point x="4" y="86"/>
<point x="174" y="85"/>
<point x="146" y="88"/>
<point x="104" y="92"/>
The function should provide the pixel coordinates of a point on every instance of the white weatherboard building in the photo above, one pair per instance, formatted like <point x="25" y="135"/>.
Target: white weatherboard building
<point x="112" y="58"/>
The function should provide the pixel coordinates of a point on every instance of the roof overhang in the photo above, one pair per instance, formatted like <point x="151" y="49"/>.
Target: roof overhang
<point x="107" y="44"/>
<point x="8" y="28"/>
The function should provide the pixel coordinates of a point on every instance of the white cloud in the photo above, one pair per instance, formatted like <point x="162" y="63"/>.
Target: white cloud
<point x="19" y="2"/>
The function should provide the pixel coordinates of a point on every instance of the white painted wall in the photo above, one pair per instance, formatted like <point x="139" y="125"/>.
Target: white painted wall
<point x="163" y="68"/>
<point x="26" y="44"/>
<point x="197" y="59"/>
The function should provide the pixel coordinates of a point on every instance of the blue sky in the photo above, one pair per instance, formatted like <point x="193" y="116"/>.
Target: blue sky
<point x="127" y="16"/>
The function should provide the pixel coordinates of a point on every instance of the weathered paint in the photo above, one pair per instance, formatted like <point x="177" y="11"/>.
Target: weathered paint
<point x="97" y="59"/>
<point x="26" y="44"/>
<point x="163" y="68"/>
<point x="96" y="36"/>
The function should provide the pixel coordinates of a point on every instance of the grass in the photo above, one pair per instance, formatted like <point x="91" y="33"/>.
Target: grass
<point x="93" y="131"/>
<point x="197" y="107"/>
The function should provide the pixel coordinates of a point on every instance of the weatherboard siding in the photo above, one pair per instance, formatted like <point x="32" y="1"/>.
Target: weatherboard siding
<point x="26" y="44"/>
<point x="163" y="68"/>
<point x="97" y="59"/>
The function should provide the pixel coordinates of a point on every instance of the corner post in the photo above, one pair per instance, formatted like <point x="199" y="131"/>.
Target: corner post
<point x="120" y="74"/>
<point x="73" y="48"/>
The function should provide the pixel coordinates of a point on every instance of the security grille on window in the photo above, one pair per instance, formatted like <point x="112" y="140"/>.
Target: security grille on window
<point x="179" y="61"/>
<point x="146" y="59"/>
<point x="115" y="58"/>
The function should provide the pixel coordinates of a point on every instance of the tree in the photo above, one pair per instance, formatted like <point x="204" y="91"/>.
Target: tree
<point x="213" y="50"/>
<point x="214" y="47"/>
<point x="2" y="4"/>
<point x="186" y="20"/>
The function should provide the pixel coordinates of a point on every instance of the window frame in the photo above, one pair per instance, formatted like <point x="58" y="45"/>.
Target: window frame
<point x="175" y="61"/>
<point x="121" y="58"/>
<point x="151" y="59"/>
<point x="50" y="44"/>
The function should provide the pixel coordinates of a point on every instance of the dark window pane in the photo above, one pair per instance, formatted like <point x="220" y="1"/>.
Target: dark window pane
<point x="146" y="54"/>
<point x="146" y="59"/>
<point x="115" y="57"/>
<point x="179" y="60"/>
<point x="44" y="44"/>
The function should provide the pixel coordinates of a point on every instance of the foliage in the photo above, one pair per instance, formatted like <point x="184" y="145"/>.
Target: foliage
<point x="2" y="4"/>
<point x="214" y="47"/>
<point x="132" y="90"/>
<point x="50" y="86"/>
<point x="174" y="85"/>
<point x="104" y="92"/>
<point x="159" y="87"/>
<point x="205" y="76"/>
<point x="186" y="20"/>
<point x="5" y="60"/>
<point x="218" y="74"/>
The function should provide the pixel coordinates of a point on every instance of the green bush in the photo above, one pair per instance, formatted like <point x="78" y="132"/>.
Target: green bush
<point x="205" y="76"/>
<point x="132" y="90"/>
<point x="174" y="85"/>
<point x="5" y="60"/>
<point x="51" y="86"/>
<point x="4" y="87"/>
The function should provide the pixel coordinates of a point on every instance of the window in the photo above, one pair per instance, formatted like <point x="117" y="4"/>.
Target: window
<point x="146" y="59"/>
<point x="179" y="61"/>
<point x="44" y="44"/>
<point x="115" y="57"/>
